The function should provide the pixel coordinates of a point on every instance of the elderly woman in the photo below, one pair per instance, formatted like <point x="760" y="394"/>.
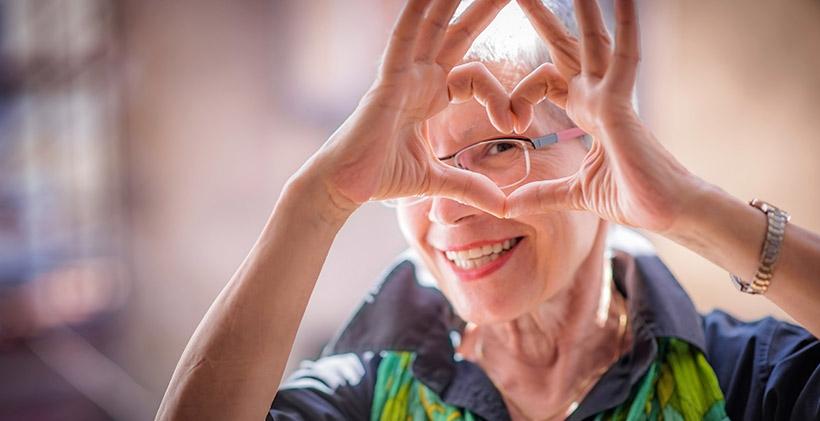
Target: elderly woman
<point x="516" y="301"/>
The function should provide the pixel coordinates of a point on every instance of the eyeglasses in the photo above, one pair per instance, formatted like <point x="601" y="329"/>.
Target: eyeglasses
<point x="504" y="160"/>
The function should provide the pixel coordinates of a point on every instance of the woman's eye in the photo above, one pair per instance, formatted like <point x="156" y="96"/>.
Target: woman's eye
<point x="500" y="147"/>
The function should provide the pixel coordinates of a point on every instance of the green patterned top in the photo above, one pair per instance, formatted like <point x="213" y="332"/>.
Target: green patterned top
<point x="679" y="385"/>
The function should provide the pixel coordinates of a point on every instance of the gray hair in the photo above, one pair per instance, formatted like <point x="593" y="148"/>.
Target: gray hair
<point x="511" y="39"/>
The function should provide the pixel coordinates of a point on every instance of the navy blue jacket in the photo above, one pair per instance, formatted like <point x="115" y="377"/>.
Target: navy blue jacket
<point x="767" y="369"/>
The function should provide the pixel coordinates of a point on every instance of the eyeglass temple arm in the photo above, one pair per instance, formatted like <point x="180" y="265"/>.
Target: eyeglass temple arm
<point x="551" y="138"/>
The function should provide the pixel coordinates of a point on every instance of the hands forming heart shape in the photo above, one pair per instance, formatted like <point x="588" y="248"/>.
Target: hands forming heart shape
<point x="380" y="151"/>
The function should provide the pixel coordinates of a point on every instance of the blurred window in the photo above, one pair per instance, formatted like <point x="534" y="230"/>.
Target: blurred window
<point x="60" y="181"/>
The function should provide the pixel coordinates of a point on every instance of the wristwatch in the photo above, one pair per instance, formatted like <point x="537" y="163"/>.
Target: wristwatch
<point x="775" y="231"/>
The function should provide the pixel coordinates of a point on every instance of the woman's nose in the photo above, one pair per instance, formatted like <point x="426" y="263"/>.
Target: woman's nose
<point x="450" y="212"/>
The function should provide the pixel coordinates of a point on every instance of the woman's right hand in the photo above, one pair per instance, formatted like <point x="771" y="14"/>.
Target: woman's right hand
<point x="381" y="151"/>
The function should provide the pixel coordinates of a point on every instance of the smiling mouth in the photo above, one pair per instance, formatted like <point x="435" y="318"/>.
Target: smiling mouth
<point x="477" y="257"/>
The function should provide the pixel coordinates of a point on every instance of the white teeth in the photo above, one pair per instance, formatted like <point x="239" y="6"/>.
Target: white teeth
<point x="479" y="256"/>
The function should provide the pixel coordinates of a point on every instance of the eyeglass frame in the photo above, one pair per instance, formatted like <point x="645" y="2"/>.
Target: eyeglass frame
<point x="537" y="143"/>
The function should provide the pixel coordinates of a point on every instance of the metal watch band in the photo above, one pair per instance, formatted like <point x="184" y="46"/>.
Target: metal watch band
<point x="775" y="232"/>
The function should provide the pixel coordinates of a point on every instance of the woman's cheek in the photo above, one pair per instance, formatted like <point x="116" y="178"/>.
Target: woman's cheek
<point x="413" y="223"/>
<point x="561" y="241"/>
<point x="561" y="161"/>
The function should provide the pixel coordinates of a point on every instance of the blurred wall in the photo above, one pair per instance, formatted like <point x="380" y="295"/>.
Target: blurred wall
<point x="732" y="88"/>
<point x="226" y="99"/>
<point x="217" y="121"/>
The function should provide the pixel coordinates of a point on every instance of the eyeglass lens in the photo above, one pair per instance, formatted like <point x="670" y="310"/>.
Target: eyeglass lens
<point x="504" y="161"/>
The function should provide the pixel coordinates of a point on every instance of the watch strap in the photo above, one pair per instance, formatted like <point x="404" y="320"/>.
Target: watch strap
<point x="775" y="233"/>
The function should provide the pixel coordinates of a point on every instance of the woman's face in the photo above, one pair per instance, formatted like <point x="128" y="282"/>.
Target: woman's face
<point x="524" y="261"/>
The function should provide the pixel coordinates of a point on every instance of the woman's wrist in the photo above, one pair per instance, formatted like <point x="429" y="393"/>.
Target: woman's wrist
<point x="721" y="228"/>
<point x="695" y="198"/>
<point x="315" y="200"/>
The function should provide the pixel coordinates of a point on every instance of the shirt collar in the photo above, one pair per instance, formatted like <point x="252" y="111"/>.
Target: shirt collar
<point x="406" y="312"/>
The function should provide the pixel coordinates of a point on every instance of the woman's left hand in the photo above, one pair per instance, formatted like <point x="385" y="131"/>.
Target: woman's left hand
<point x="627" y="177"/>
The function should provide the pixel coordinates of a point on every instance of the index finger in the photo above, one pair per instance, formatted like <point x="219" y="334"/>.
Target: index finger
<point x="563" y="47"/>
<point x="399" y="52"/>
<point x="627" y="44"/>
<point x="434" y="28"/>
<point x="595" y="44"/>
<point x="474" y="80"/>
<point x="461" y="34"/>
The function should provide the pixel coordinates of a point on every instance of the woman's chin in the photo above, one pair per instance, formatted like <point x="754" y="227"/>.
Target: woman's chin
<point x="492" y="301"/>
<point x="491" y="305"/>
<point x="502" y="294"/>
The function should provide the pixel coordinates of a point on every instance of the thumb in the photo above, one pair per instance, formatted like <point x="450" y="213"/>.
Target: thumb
<point x="544" y="196"/>
<point x="467" y="187"/>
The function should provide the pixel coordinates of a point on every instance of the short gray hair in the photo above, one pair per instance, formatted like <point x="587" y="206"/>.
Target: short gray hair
<point x="511" y="39"/>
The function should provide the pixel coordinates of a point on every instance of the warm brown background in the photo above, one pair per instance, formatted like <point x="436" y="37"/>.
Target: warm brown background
<point x="227" y="99"/>
<point x="223" y="100"/>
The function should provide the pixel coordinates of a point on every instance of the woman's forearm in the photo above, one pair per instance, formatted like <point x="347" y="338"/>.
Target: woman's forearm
<point x="233" y="364"/>
<point x="730" y="233"/>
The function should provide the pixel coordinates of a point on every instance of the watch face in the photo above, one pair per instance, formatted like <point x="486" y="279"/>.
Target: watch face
<point x="767" y="207"/>
<point x="775" y="230"/>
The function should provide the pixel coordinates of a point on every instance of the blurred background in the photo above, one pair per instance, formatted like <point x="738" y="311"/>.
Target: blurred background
<point x="143" y="144"/>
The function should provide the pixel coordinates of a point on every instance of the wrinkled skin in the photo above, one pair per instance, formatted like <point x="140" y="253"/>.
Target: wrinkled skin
<point x="380" y="151"/>
<point x="627" y="177"/>
<point x="387" y="148"/>
<point x="383" y="149"/>
<point x="555" y="243"/>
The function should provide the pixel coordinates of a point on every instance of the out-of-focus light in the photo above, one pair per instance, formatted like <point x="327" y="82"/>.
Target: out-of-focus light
<point x="510" y="34"/>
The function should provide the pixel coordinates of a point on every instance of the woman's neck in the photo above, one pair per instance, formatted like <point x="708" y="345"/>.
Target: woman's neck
<point x="544" y="337"/>
<point x="543" y="359"/>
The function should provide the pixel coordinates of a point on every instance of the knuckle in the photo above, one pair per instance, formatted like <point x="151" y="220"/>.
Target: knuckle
<point x="474" y="66"/>
<point x="540" y="195"/>
<point x="546" y="72"/>
<point x="417" y="8"/>
<point x="597" y="36"/>
<point x="461" y="30"/>
<point x="456" y="82"/>
<point x="458" y="89"/>
<point x="401" y="37"/>
<point x="628" y="57"/>
<point x="544" y="68"/>
<point x="437" y="24"/>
